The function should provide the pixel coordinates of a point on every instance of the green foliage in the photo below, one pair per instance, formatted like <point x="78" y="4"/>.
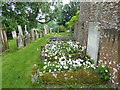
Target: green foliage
<point x="73" y="20"/>
<point x="74" y="85"/>
<point x="59" y="28"/>
<point x="63" y="13"/>
<point x="104" y="72"/>
<point x="25" y="13"/>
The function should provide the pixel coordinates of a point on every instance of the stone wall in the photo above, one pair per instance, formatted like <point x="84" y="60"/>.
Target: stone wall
<point x="107" y="16"/>
<point x="109" y="53"/>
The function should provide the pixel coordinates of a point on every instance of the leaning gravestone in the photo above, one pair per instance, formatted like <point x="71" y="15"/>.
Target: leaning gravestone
<point x="14" y="35"/>
<point x="20" y="41"/>
<point x="20" y="30"/>
<point x="93" y="40"/>
<point x="4" y="42"/>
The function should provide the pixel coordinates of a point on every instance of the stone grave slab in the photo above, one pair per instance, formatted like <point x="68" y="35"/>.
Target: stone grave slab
<point x="93" y="40"/>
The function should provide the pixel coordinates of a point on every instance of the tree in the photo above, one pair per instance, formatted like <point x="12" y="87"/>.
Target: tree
<point x="25" y="13"/>
<point x="66" y="12"/>
<point x="73" y="20"/>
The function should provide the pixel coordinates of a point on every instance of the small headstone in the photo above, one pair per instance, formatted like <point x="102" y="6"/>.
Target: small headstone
<point x="32" y="35"/>
<point x="36" y="34"/>
<point x="20" y="42"/>
<point x="20" y="30"/>
<point x="50" y="30"/>
<point x="27" y="39"/>
<point x="14" y="35"/>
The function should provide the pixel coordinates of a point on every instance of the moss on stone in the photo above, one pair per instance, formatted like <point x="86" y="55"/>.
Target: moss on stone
<point x="81" y="76"/>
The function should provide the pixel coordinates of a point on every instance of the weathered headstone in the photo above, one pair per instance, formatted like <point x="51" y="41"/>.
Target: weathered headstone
<point x="32" y="35"/>
<point x="20" y="41"/>
<point x="93" y="40"/>
<point x="50" y="30"/>
<point x="14" y="35"/>
<point x="20" y="30"/>
<point x="27" y="39"/>
<point x="46" y="29"/>
<point x="36" y="34"/>
<point x="3" y="41"/>
<point x="26" y="32"/>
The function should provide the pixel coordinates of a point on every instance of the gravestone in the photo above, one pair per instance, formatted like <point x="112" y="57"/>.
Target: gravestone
<point x="20" y="42"/>
<point x="93" y="40"/>
<point x="32" y="35"/>
<point x="3" y="41"/>
<point x="14" y="35"/>
<point x="41" y="33"/>
<point x="36" y="34"/>
<point x="20" y="30"/>
<point x="46" y="29"/>
<point x="50" y="30"/>
<point x="27" y="39"/>
<point x="26" y="32"/>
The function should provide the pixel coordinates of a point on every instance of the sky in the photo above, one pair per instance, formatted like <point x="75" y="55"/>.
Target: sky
<point x="65" y="2"/>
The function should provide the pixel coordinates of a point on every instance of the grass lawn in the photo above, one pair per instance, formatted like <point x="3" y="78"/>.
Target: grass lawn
<point x="17" y="63"/>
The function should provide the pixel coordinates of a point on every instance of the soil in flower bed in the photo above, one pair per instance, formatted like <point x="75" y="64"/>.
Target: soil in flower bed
<point x="81" y="76"/>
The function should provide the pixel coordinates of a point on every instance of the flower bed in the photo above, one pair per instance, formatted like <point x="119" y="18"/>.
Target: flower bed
<point x="62" y="48"/>
<point x="66" y="62"/>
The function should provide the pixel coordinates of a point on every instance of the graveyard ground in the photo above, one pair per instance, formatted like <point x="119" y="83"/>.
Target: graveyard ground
<point x="17" y="63"/>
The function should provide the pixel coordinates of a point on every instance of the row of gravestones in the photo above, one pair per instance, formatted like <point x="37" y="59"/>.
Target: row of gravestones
<point x="24" y="40"/>
<point x="20" y="39"/>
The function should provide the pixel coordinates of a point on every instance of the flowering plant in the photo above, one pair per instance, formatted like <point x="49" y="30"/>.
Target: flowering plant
<point x="63" y="56"/>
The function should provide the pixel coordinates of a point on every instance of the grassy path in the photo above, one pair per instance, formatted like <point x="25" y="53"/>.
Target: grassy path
<point x="17" y="64"/>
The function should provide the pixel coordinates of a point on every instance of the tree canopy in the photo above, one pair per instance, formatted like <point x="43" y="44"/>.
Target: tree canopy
<point x="32" y="13"/>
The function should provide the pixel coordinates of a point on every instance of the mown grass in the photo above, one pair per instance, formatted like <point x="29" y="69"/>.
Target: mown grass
<point x="17" y="63"/>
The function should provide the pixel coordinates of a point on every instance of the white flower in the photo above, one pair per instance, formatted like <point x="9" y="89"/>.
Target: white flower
<point x="106" y="70"/>
<point x="45" y="62"/>
<point x="70" y="56"/>
<point x="50" y="70"/>
<point x="54" y="69"/>
<point x="65" y="67"/>
<point x="65" y="78"/>
<point x="55" y="57"/>
<point x="44" y="67"/>
<point x="71" y="76"/>
<point x="55" y="75"/>
<point x="45" y="54"/>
